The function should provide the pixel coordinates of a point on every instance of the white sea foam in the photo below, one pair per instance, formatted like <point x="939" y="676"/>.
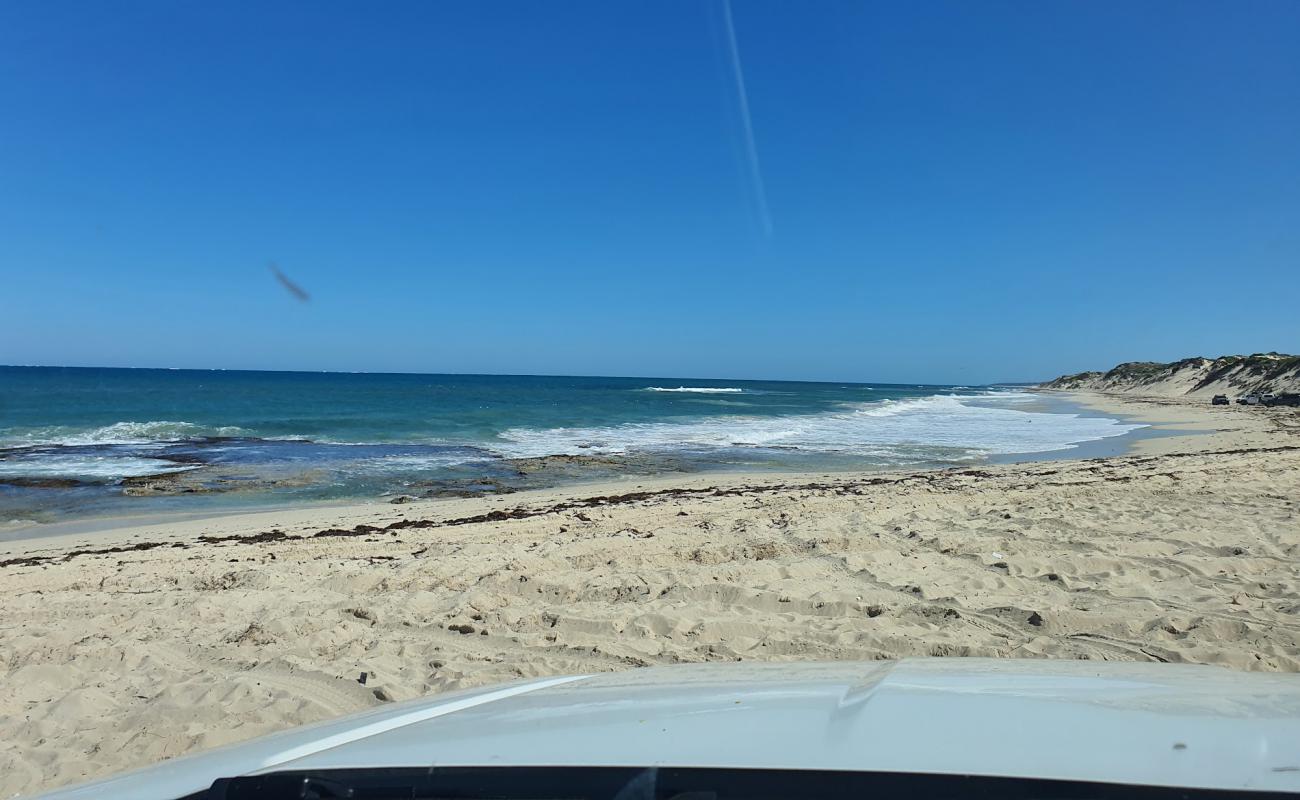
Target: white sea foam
<point x="88" y="467"/>
<point x="117" y="433"/>
<point x="972" y="424"/>
<point x="418" y="462"/>
<point x="697" y="389"/>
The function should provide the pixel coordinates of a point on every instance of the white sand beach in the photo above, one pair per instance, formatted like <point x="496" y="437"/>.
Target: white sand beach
<point x="123" y="647"/>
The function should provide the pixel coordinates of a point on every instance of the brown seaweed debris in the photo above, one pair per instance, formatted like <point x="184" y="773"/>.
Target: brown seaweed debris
<point x="937" y="479"/>
<point x="27" y="561"/>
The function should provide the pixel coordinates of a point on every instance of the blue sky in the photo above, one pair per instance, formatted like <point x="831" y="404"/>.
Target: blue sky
<point x="956" y="191"/>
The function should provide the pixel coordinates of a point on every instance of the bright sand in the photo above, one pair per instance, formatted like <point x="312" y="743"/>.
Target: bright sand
<point x="1183" y="551"/>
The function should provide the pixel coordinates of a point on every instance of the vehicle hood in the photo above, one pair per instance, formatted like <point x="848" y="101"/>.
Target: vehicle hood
<point x="1155" y="724"/>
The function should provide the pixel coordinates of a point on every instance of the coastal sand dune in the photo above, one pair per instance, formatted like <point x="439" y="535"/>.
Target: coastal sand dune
<point x="1196" y="377"/>
<point x="120" y="649"/>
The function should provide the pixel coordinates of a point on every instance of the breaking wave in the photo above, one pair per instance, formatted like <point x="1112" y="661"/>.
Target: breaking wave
<point x="987" y="424"/>
<point x="117" y="433"/>
<point x="696" y="389"/>
<point x="88" y="467"/>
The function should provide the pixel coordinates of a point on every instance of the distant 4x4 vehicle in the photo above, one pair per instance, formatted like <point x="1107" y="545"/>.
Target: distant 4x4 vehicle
<point x="1280" y="399"/>
<point x="1219" y="400"/>
<point x="1248" y="400"/>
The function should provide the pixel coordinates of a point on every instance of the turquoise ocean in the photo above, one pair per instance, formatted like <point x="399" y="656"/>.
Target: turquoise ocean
<point x="78" y="442"/>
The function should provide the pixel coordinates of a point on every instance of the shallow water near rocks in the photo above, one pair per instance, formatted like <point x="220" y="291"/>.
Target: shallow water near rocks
<point x="90" y="442"/>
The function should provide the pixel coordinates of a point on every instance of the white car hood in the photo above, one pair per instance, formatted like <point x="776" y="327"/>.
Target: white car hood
<point x="1154" y="724"/>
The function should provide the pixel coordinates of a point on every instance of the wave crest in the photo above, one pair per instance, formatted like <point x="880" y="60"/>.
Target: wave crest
<point x="89" y="467"/>
<point x="696" y="389"/>
<point x="985" y="424"/>
<point x="119" y="433"/>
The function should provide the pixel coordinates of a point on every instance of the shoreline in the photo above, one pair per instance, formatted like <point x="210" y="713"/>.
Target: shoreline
<point x="1183" y="421"/>
<point x="107" y="523"/>
<point x="210" y="631"/>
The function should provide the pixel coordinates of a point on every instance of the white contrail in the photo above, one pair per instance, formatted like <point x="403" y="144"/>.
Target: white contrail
<point x="751" y="149"/>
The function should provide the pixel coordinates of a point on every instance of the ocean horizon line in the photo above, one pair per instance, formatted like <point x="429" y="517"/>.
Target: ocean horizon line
<point x="715" y="379"/>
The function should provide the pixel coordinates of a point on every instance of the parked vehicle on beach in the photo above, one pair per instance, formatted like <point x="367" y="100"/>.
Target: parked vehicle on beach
<point x="1248" y="400"/>
<point x="1220" y="400"/>
<point x="953" y="728"/>
<point x="1283" y="400"/>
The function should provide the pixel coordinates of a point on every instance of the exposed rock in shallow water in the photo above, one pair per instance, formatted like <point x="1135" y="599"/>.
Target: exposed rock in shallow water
<point x="565" y="466"/>
<point x="539" y="472"/>
<point x="43" y="483"/>
<point x="165" y="484"/>
<point x="528" y="466"/>
<point x="202" y="481"/>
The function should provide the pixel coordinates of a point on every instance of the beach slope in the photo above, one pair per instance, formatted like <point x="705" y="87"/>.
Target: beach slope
<point x="125" y="647"/>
